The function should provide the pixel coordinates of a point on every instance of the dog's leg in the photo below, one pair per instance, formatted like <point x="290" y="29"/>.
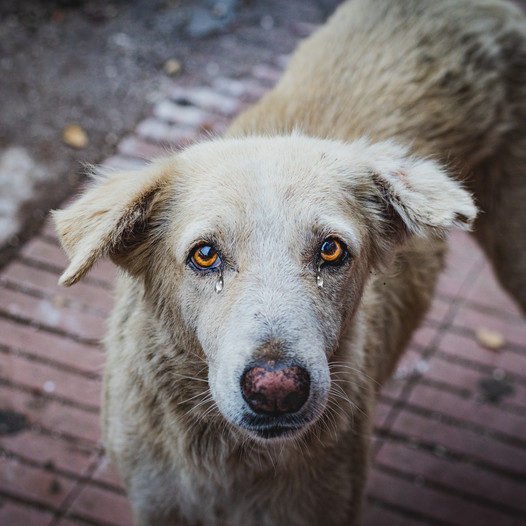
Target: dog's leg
<point x="500" y="189"/>
<point x="499" y="183"/>
<point x="407" y="292"/>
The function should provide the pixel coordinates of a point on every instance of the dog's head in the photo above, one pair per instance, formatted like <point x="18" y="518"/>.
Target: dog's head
<point x="260" y="248"/>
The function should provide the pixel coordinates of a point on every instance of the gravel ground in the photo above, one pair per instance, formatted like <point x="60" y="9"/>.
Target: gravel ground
<point x="99" y="66"/>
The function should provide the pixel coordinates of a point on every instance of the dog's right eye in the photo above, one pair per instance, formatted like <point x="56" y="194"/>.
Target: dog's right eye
<point x="205" y="257"/>
<point x="333" y="251"/>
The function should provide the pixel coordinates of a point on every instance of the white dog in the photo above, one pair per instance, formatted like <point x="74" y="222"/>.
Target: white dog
<point x="272" y="279"/>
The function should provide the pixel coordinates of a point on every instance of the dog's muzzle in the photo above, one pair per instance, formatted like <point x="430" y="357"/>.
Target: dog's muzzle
<point x="275" y="392"/>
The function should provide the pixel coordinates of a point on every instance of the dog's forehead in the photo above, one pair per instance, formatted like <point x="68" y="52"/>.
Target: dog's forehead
<point x="258" y="164"/>
<point x="260" y="174"/>
<point x="257" y="185"/>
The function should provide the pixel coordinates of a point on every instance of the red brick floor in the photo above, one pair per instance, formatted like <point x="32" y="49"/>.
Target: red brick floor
<point x="450" y="439"/>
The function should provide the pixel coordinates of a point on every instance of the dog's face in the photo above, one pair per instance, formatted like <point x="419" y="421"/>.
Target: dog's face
<point x="260" y="249"/>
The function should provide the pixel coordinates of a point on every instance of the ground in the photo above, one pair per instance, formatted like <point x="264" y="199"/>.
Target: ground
<point x="449" y="440"/>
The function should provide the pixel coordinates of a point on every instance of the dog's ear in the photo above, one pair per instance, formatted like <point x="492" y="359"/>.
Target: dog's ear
<point x="417" y="196"/>
<point x="110" y="219"/>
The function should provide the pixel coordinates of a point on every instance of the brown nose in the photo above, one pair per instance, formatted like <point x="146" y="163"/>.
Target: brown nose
<point x="275" y="388"/>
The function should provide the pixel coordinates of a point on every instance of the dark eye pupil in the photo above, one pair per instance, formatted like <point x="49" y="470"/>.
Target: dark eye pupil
<point x="329" y="248"/>
<point x="207" y="252"/>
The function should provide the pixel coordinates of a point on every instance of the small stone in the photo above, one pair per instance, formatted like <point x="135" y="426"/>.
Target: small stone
<point x="490" y="339"/>
<point x="422" y="366"/>
<point x="49" y="386"/>
<point x="172" y="67"/>
<point x="73" y="135"/>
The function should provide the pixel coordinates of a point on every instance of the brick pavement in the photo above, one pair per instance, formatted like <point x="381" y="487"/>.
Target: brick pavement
<point x="450" y="437"/>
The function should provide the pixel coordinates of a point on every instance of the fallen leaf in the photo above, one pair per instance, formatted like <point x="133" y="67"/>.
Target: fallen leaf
<point x="73" y="135"/>
<point x="172" y="67"/>
<point x="490" y="339"/>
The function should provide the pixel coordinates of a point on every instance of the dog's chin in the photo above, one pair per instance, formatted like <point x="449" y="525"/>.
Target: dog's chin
<point x="273" y="429"/>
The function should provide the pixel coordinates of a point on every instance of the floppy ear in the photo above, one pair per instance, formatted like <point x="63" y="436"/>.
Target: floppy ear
<point x="417" y="196"/>
<point x="110" y="219"/>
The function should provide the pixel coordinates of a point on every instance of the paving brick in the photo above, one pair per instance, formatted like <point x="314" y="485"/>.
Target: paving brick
<point x="513" y="331"/>
<point x="449" y="285"/>
<point x="48" y="379"/>
<point x="45" y="282"/>
<point x="433" y="504"/>
<point x="463" y="249"/>
<point x="438" y="310"/>
<point x="282" y="61"/>
<point x="158" y="130"/>
<point x="14" y="514"/>
<point x="266" y="74"/>
<point x="468" y="410"/>
<point x="468" y="379"/>
<point x="34" y="484"/>
<point x="49" y="451"/>
<point x="50" y="254"/>
<point x="134" y="146"/>
<point x="39" y="250"/>
<point x="468" y="348"/>
<point x="43" y="311"/>
<point x="463" y="257"/>
<point x="64" y="521"/>
<point x="107" y="474"/>
<point x="303" y="29"/>
<point x="461" y="441"/>
<point x="123" y="163"/>
<point x="381" y="412"/>
<point x="52" y="415"/>
<point x="375" y="515"/>
<point x="49" y="346"/>
<point x="487" y="292"/>
<point x="454" y="475"/>
<point x="206" y="98"/>
<point x="187" y="115"/>
<point x="99" y="504"/>
<point x="423" y="336"/>
<point x="409" y="367"/>
<point x="247" y="90"/>
<point x="48" y="229"/>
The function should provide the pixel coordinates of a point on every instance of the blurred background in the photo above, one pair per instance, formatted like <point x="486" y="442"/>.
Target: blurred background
<point x="76" y="76"/>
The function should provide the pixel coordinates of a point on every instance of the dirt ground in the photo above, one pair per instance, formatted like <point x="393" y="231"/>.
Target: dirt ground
<point x="100" y="65"/>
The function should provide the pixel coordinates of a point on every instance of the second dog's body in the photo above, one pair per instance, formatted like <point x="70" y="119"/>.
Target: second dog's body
<point x="272" y="281"/>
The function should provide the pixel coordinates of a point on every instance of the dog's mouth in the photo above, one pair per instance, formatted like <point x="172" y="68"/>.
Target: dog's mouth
<point x="268" y="427"/>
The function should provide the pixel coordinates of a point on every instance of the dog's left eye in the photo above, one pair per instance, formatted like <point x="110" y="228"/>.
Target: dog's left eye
<point x="205" y="257"/>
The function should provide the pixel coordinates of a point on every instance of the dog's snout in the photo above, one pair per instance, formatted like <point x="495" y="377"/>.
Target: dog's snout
<point x="273" y="388"/>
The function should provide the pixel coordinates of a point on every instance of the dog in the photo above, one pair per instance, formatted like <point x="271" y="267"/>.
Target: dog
<point x="271" y="278"/>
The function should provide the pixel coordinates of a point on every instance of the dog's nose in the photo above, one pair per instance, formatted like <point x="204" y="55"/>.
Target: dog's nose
<point x="273" y="388"/>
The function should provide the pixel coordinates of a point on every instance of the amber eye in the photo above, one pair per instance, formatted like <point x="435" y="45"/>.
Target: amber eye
<point x="332" y="250"/>
<point x="205" y="257"/>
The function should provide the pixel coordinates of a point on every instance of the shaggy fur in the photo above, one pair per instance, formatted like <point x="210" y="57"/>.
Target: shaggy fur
<point x="320" y="156"/>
